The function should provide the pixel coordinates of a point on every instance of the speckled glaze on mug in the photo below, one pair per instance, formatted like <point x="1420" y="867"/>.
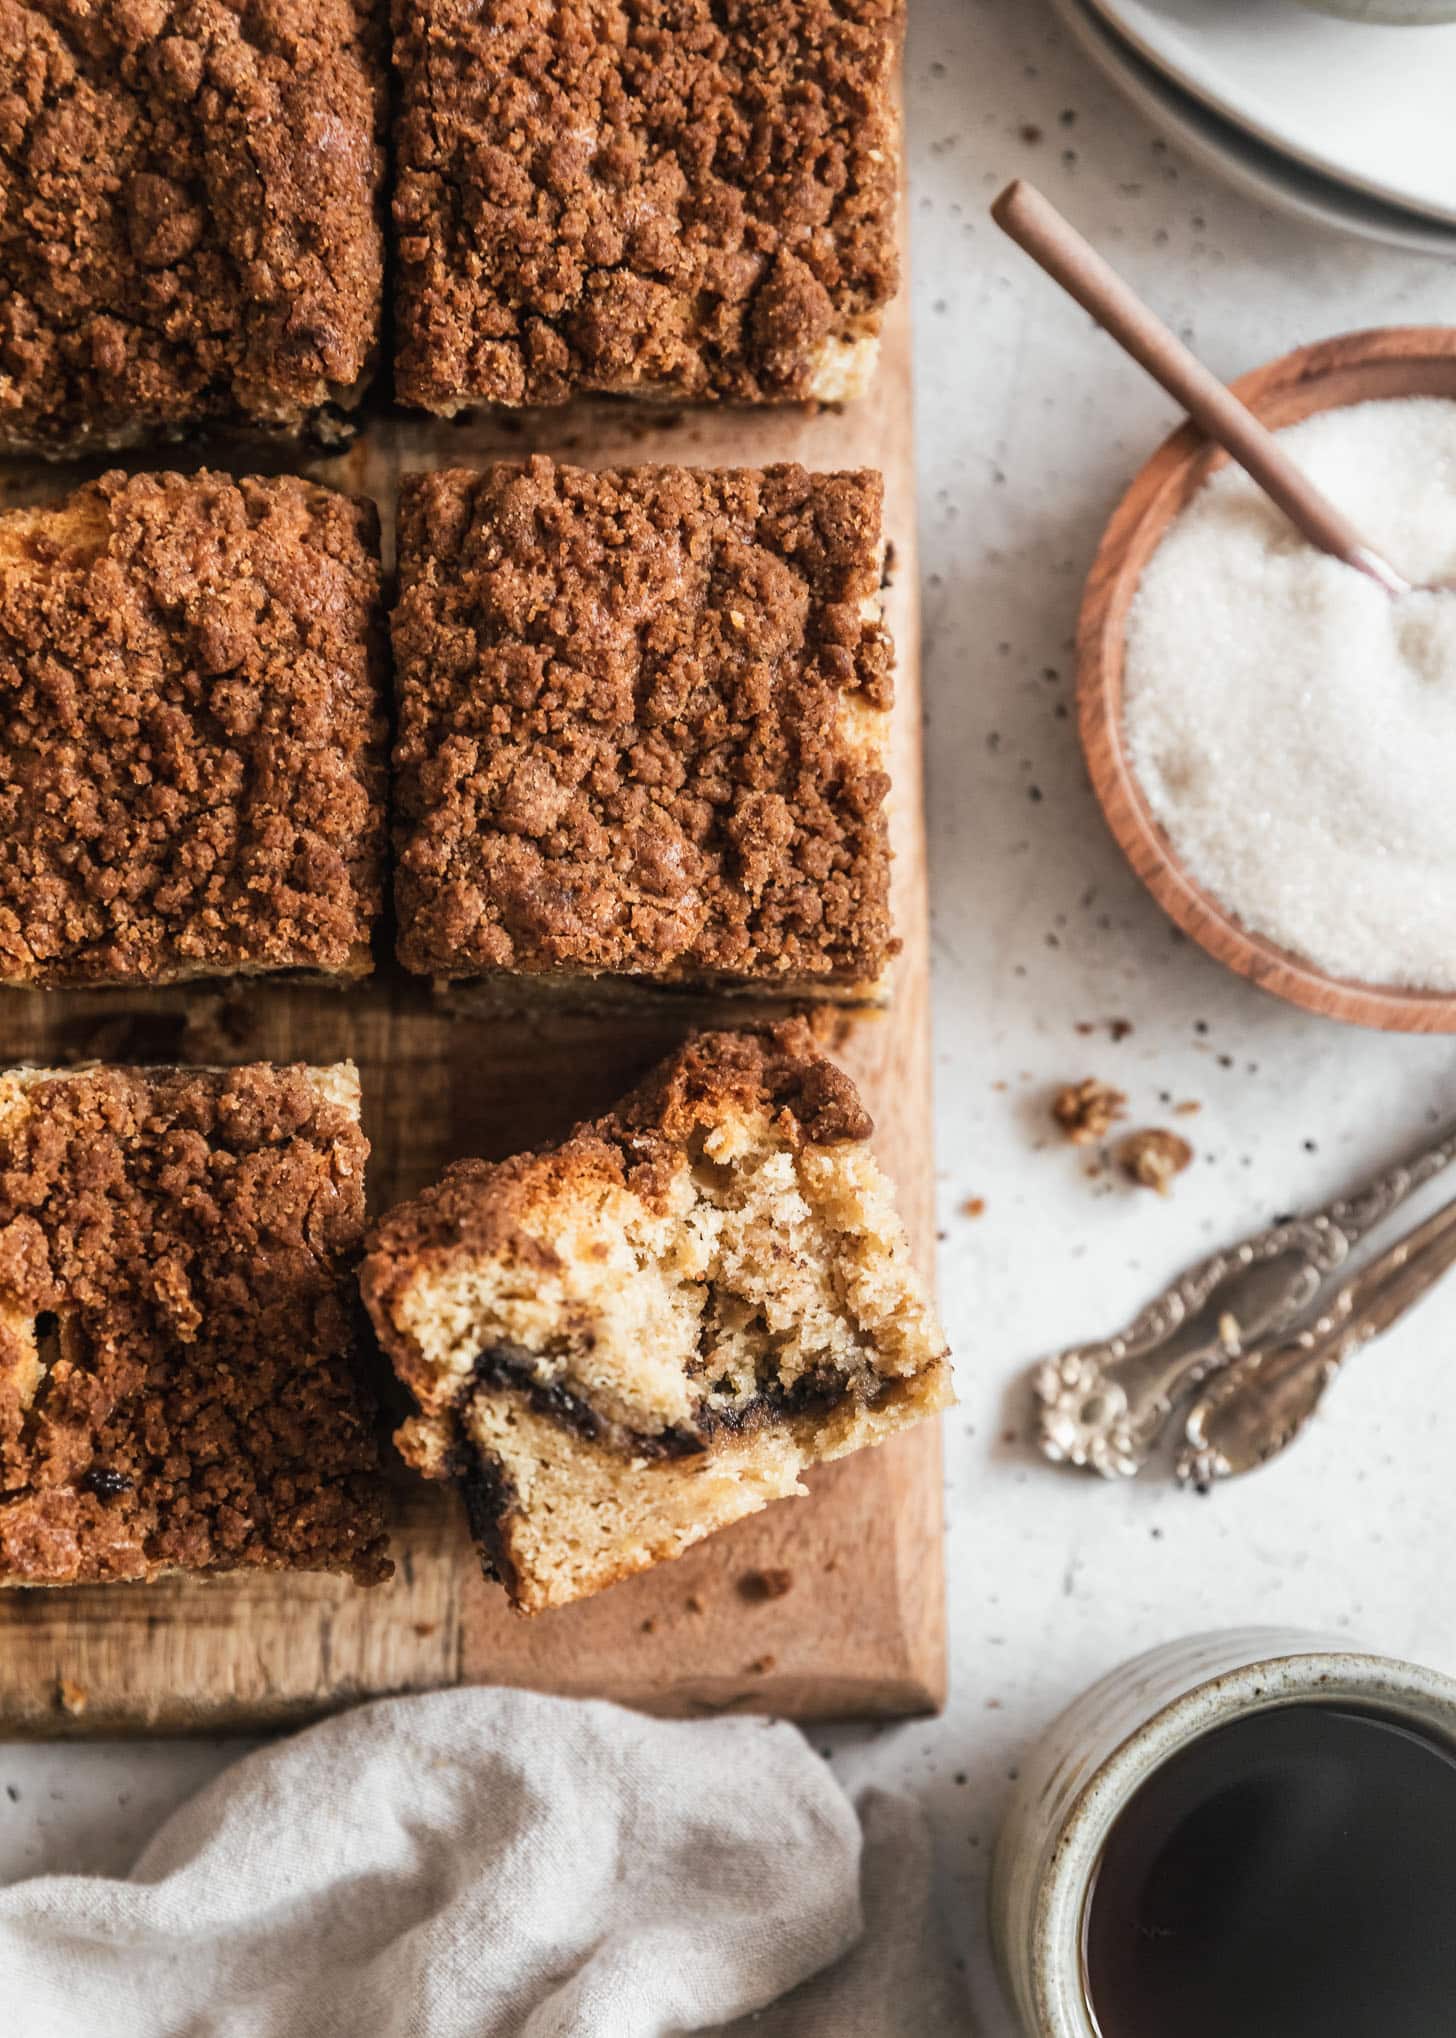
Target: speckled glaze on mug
<point x="1087" y="1766"/>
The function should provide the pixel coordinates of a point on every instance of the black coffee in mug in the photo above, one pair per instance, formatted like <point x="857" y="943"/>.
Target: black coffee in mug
<point x="1290" y="1875"/>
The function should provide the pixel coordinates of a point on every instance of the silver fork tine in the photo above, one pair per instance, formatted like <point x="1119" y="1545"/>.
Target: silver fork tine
<point x="1262" y="1402"/>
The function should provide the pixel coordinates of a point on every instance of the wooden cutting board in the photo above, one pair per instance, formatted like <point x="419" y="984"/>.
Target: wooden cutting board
<point x="861" y="1628"/>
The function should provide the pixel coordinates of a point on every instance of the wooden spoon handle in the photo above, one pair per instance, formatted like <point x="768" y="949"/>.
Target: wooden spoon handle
<point x="1034" y="223"/>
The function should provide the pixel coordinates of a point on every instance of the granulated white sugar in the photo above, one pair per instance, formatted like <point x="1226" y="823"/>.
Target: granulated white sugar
<point x="1292" y="725"/>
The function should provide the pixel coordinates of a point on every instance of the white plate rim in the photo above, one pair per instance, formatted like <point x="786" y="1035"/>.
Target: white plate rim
<point x="1260" y="122"/>
<point x="1227" y="151"/>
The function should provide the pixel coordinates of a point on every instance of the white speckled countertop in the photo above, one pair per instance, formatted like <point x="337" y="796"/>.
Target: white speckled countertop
<point x="1029" y="427"/>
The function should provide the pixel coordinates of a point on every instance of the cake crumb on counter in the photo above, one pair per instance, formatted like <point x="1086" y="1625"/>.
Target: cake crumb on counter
<point x="1153" y="1157"/>
<point x="1088" y="1110"/>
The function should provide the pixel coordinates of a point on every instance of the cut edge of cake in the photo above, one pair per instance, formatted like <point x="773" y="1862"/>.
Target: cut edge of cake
<point x="621" y="1344"/>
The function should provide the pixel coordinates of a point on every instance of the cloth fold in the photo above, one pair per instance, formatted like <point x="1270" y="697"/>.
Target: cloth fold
<point x="496" y="1864"/>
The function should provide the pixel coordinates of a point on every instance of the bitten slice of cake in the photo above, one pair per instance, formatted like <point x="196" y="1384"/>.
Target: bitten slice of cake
<point x="622" y="1343"/>
<point x="178" y="1386"/>
<point x="643" y="728"/>
<point x="192" y="731"/>
<point x="669" y="199"/>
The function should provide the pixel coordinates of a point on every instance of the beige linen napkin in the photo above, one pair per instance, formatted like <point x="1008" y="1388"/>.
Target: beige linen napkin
<point x="493" y="1864"/>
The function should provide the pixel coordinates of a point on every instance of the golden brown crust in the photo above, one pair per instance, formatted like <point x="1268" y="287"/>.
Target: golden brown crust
<point x="494" y="1206"/>
<point x="189" y="213"/>
<point x="642" y="718"/>
<point x="670" y="195"/>
<point x="177" y="1385"/>
<point x="778" y="1069"/>
<point x="192" y="742"/>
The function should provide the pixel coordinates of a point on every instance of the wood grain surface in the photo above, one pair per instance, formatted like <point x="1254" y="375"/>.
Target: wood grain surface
<point x="1392" y="361"/>
<point x="861" y="1629"/>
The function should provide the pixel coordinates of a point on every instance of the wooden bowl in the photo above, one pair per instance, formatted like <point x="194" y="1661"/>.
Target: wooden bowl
<point x="1352" y="368"/>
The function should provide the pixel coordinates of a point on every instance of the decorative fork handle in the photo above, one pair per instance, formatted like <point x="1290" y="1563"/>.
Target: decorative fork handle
<point x="1105" y="1405"/>
<point x="1258" y="1405"/>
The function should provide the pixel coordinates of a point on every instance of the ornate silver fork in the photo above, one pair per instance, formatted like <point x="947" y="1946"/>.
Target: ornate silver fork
<point x="1105" y="1405"/>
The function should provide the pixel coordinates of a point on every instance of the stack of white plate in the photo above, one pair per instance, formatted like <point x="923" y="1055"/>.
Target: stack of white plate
<point x="1346" y="122"/>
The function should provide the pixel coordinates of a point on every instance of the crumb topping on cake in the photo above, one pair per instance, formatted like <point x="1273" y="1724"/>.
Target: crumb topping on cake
<point x="192" y="745"/>
<point x="661" y="195"/>
<point x="492" y="1206"/>
<point x="642" y="724"/>
<point x="189" y="213"/>
<point x="176" y="1380"/>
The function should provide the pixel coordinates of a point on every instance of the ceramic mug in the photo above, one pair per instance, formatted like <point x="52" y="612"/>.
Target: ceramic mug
<point x="1088" y="1765"/>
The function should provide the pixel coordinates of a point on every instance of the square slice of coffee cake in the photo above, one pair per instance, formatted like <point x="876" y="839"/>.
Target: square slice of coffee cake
<point x="178" y="1386"/>
<point x="622" y="1343"/>
<point x="672" y="199"/>
<point x="190" y="216"/>
<point x="643" y="721"/>
<point x="192" y="732"/>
